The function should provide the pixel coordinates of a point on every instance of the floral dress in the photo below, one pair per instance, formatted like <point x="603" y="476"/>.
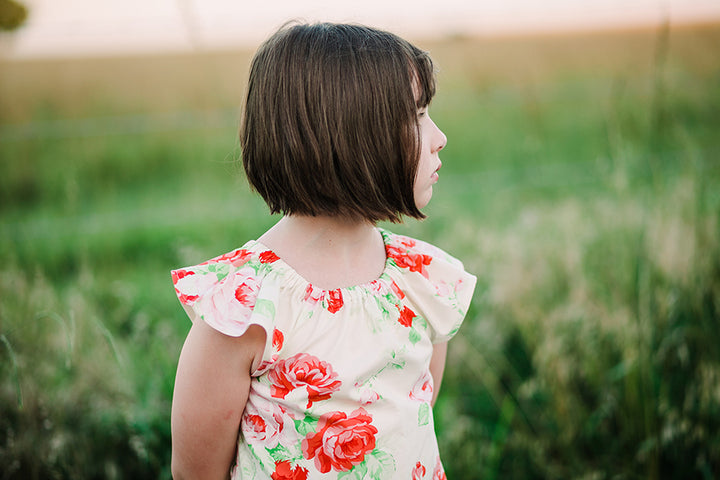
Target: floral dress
<point x="344" y="387"/>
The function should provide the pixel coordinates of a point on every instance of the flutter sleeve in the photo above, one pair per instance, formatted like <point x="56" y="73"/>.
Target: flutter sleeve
<point x="435" y="283"/>
<point x="229" y="293"/>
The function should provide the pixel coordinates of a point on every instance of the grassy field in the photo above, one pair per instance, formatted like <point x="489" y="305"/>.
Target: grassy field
<point x="581" y="184"/>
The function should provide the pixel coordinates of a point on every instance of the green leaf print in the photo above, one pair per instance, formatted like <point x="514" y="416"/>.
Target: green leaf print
<point x="383" y="306"/>
<point x="248" y="470"/>
<point x="392" y="299"/>
<point x="220" y="269"/>
<point x="262" y="455"/>
<point x="385" y="459"/>
<point x="280" y="453"/>
<point x="397" y="364"/>
<point x="306" y="425"/>
<point x="420" y="322"/>
<point x="424" y="414"/>
<point x="414" y="336"/>
<point x="380" y="464"/>
<point x="265" y="307"/>
<point x="358" y="472"/>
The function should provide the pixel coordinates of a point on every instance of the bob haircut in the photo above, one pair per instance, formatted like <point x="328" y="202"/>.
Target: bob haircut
<point x="330" y="123"/>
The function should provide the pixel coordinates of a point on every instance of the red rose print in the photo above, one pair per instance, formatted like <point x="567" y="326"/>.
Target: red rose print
<point x="341" y="441"/>
<point x="303" y="370"/>
<point x="246" y="293"/>
<point x="418" y="472"/>
<point x="236" y="257"/>
<point x="415" y="262"/>
<point x="277" y="340"/>
<point x="256" y="425"/>
<point x="285" y="471"/>
<point x="178" y="275"/>
<point x="277" y="343"/>
<point x="187" y="299"/>
<point x="406" y="317"/>
<point x="335" y="300"/>
<point x="268" y="256"/>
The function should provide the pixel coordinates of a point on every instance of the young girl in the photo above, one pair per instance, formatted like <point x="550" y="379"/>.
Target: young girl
<point x="317" y="350"/>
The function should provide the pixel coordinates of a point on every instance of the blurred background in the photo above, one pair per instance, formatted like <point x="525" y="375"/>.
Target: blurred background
<point x="581" y="184"/>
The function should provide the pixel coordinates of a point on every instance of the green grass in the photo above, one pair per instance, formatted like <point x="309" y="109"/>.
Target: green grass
<point x="586" y="201"/>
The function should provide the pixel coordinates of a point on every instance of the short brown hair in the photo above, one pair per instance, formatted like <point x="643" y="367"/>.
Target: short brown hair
<point x="330" y="121"/>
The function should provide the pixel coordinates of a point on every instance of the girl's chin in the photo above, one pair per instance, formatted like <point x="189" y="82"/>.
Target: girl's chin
<point x="422" y="201"/>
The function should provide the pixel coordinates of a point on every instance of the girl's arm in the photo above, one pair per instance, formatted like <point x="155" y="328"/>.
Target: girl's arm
<point x="437" y="367"/>
<point x="211" y="389"/>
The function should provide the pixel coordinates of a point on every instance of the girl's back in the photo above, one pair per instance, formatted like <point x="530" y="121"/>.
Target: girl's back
<point x="316" y="351"/>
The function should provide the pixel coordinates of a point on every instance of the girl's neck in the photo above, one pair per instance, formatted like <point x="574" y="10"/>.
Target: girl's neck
<point x="328" y="252"/>
<point x="332" y="231"/>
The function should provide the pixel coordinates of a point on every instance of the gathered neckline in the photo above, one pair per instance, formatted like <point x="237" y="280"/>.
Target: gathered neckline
<point x="288" y="269"/>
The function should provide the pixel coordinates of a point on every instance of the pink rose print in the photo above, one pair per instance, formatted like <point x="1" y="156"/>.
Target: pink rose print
<point x="268" y="256"/>
<point x="439" y="473"/>
<point x="400" y="294"/>
<point x="303" y="370"/>
<point x="418" y="472"/>
<point x="406" y="242"/>
<point x="335" y="300"/>
<point x="368" y="397"/>
<point x="285" y="471"/>
<point x="376" y="287"/>
<point x="267" y="424"/>
<point x="444" y="289"/>
<point x="406" y="317"/>
<point x="225" y="304"/>
<point x="423" y="389"/>
<point x="341" y="441"/>
<point x="312" y="296"/>
<point x="178" y="275"/>
<point x="415" y="262"/>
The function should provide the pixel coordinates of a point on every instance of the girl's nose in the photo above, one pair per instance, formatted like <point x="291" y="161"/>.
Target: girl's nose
<point x="439" y="139"/>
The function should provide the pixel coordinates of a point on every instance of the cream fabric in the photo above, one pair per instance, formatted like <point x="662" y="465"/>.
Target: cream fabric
<point x="344" y="387"/>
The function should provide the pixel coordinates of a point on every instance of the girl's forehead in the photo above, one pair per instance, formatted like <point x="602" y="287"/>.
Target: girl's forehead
<point x="419" y="94"/>
<point x="417" y="89"/>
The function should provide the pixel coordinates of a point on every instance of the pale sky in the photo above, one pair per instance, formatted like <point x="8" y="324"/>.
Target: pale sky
<point x="107" y="27"/>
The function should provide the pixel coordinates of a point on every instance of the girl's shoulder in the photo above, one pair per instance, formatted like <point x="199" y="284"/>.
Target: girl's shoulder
<point x="253" y="285"/>
<point x="433" y="283"/>
<point x="248" y="261"/>
<point x="415" y="254"/>
<point x="225" y="290"/>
